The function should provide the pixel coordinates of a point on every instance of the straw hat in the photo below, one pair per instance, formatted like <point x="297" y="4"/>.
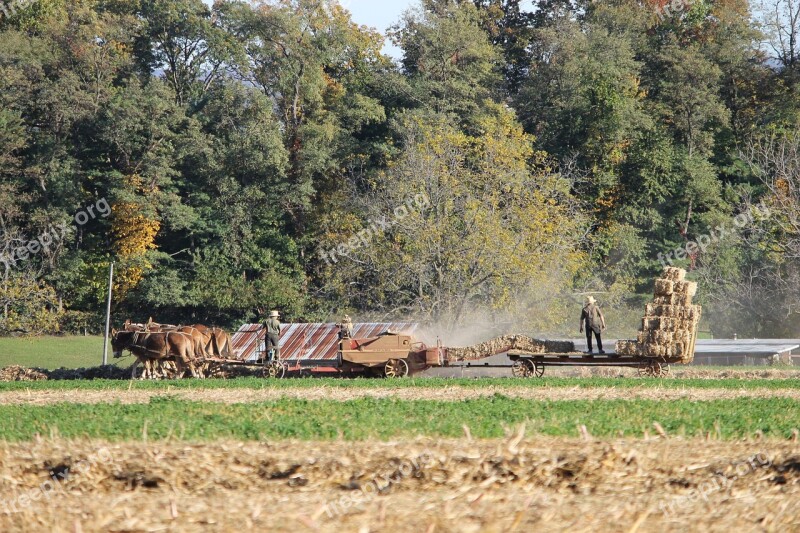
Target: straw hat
<point x="590" y="300"/>
<point x="274" y="314"/>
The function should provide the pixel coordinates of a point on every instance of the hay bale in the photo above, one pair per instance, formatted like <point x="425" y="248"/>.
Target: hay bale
<point x="664" y="300"/>
<point x="627" y="348"/>
<point x="686" y="287"/>
<point x="664" y="287"/>
<point x="653" y="350"/>
<point x="669" y="324"/>
<point x="650" y="323"/>
<point x="667" y="311"/>
<point x="674" y="274"/>
<point x="664" y="338"/>
<point x="670" y="320"/>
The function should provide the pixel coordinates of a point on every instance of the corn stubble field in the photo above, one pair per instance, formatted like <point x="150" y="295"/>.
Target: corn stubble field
<point x="717" y="449"/>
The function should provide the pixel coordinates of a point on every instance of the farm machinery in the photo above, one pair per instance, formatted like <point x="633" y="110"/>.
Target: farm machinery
<point x="668" y="336"/>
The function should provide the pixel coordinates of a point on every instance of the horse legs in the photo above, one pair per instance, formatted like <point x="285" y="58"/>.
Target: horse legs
<point x="135" y="367"/>
<point x="190" y="363"/>
<point x="180" y="368"/>
<point x="154" y="369"/>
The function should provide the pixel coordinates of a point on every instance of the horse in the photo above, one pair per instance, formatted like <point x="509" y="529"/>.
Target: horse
<point x="200" y="334"/>
<point x="158" y="346"/>
<point x="222" y="342"/>
<point x="213" y="342"/>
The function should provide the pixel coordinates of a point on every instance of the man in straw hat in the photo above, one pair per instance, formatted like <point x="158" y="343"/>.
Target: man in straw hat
<point x="346" y="328"/>
<point x="593" y="320"/>
<point x="272" y="339"/>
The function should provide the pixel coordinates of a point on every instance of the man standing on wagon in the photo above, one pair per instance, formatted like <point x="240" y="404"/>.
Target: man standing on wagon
<point x="593" y="320"/>
<point x="273" y="336"/>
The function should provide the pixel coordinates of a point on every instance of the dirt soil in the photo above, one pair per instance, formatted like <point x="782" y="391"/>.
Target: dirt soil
<point x="235" y="396"/>
<point x="414" y="485"/>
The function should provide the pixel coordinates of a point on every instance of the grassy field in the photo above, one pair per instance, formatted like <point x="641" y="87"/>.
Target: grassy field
<point x="597" y="453"/>
<point x="52" y="352"/>
<point x="422" y="383"/>
<point x="385" y="419"/>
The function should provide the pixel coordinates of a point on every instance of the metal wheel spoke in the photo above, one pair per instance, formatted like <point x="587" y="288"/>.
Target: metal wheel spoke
<point x="518" y="369"/>
<point x="396" y="368"/>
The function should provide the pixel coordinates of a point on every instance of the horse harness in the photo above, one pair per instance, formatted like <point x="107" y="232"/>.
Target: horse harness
<point x="162" y="353"/>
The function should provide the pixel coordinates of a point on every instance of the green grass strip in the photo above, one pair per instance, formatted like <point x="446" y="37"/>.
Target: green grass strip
<point x="421" y="383"/>
<point x="54" y="352"/>
<point x="386" y="419"/>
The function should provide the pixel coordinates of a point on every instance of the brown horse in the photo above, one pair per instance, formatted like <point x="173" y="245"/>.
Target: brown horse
<point x="217" y="341"/>
<point x="213" y="342"/>
<point x="200" y="334"/>
<point x="160" y="346"/>
<point x="222" y="342"/>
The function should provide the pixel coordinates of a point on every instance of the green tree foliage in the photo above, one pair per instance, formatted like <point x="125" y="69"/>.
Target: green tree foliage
<point x="560" y="147"/>
<point x="475" y="222"/>
<point x="449" y="58"/>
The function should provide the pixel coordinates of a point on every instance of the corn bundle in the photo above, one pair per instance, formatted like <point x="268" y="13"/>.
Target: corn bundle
<point x="669" y="326"/>
<point x="18" y="373"/>
<point x="508" y="343"/>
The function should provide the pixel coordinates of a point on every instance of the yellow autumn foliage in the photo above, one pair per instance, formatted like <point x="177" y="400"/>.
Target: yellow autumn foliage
<point x="134" y="235"/>
<point x="494" y="236"/>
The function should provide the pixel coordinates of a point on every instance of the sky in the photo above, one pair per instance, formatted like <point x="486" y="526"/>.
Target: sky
<point x="379" y="14"/>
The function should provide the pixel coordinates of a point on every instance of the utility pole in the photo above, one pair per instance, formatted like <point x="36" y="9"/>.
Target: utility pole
<point x="108" y="313"/>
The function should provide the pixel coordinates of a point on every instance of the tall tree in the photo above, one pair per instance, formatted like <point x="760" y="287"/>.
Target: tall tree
<point x="473" y="223"/>
<point x="448" y="58"/>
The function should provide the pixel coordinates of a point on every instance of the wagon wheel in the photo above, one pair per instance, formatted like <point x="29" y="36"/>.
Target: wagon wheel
<point x="665" y="369"/>
<point x="520" y="369"/>
<point x="275" y="370"/>
<point x="396" y="368"/>
<point x="539" y="370"/>
<point x="650" y="369"/>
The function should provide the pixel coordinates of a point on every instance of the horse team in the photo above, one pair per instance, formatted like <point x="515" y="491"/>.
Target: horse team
<point x="167" y="351"/>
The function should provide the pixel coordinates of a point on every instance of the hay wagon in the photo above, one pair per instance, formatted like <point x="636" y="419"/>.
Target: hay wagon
<point x="528" y="365"/>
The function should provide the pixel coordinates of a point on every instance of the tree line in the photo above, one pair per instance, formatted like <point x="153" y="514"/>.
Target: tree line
<point x="561" y="151"/>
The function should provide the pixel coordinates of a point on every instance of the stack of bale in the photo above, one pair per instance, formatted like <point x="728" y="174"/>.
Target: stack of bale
<point x="669" y="327"/>
<point x="508" y="343"/>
